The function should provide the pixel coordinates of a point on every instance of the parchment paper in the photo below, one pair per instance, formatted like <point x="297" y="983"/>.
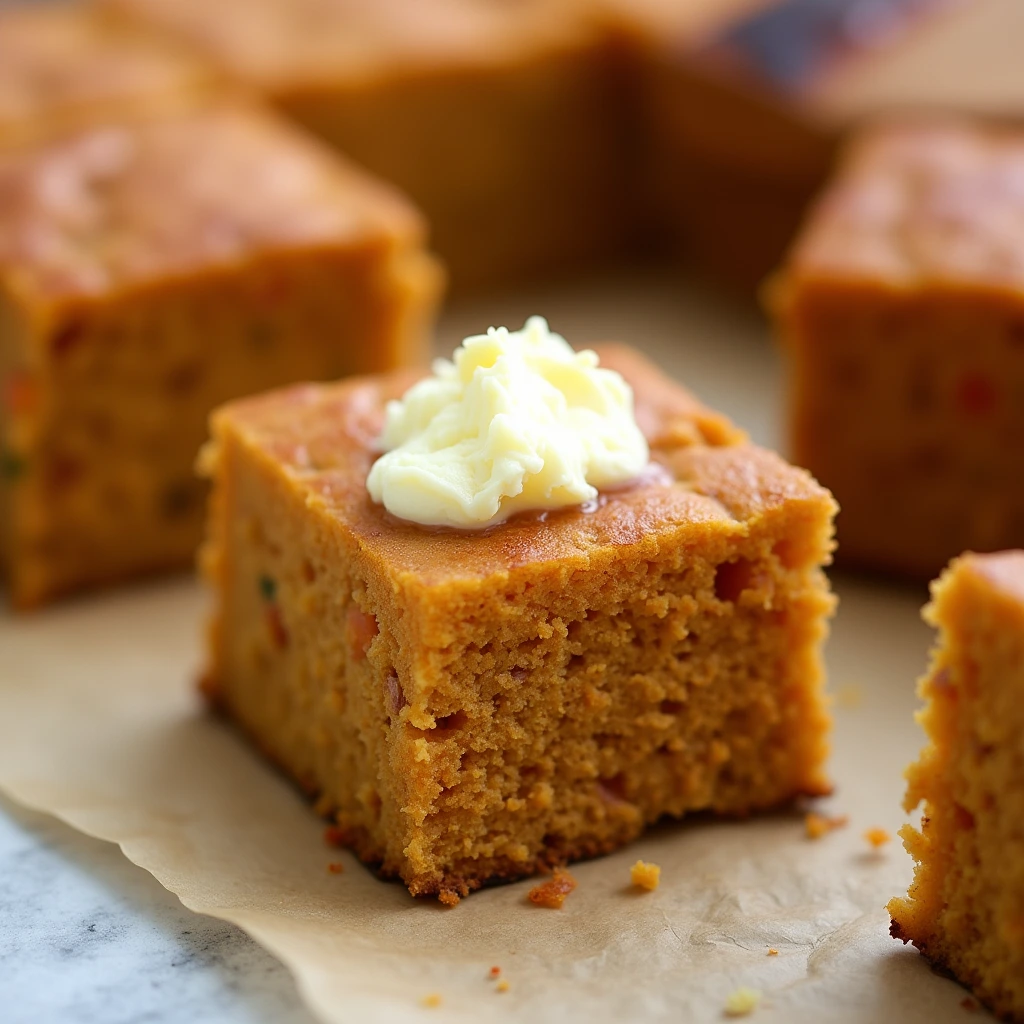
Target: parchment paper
<point x="100" y="725"/>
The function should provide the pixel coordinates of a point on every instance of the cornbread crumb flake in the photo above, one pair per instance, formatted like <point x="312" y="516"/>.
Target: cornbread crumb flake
<point x="742" y="1002"/>
<point x="552" y="893"/>
<point x="877" y="837"/>
<point x="645" y="876"/>
<point x="431" y="1001"/>
<point x="502" y="986"/>
<point x="336" y="867"/>
<point x="817" y="825"/>
<point x="772" y="951"/>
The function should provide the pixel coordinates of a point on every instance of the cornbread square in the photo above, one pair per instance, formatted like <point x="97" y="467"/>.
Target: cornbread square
<point x="902" y="309"/>
<point x="476" y="706"/>
<point x="150" y="271"/>
<point x="502" y="121"/>
<point x="965" y="909"/>
<point x="64" y="66"/>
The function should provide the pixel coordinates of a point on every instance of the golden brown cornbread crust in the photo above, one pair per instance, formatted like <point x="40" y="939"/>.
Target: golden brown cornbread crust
<point x="474" y="707"/>
<point x="902" y="312"/>
<point x="965" y="908"/>
<point x="149" y="271"/>
<point x="64" y="66"/>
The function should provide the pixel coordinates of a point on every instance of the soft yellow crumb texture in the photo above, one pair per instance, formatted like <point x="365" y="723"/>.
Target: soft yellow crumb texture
<point x="644" y="875"/>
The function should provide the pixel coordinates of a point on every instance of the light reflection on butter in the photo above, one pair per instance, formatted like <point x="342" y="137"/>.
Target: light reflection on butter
<point x="516" y="421"/>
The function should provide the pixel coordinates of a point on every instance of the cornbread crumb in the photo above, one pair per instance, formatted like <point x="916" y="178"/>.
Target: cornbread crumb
<point x="448" y="897"/>
<point x="336" y="868"/>
<point x="818" y="825"/>
<point x="334" y="836"/>
<point x="849" y="697"/>
<point x="502" y="986"/>
<point x="742" y="1002"/>
<point x="431" y="1001"/>
<point x="645" y="876"/>
<point x="552" y="893"/>
<point x="495" y="971"/>
<point x="772" y="951"/>
<point x="877" y="837"/>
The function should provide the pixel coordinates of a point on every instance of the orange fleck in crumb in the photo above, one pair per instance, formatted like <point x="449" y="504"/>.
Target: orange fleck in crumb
<point x="336" y="867"/>
<point x="969" y="1004"/>
<point x="431" y="1001"/>
<point x="742" y="1002"/>
<point x="334" y="836"/>
<point x="502" y="986"/>
<point x="877" y="837"/>
<point x="772" y="951"/>
<point x="495" y="971"/>
<point x="552" y="893"/>
<point x="818" y="825"/>
<point x="645" y="876"/>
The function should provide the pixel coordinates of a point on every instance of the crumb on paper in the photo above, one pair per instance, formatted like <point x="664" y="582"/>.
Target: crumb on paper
<point x="645" y="876"/>
<point x="877" y="837"/>
<point x="449" y="897"/>
<point x="431" y="1001"/>
<point x="742" y="1002"/>
<point x="969" y="1004"/>
<point x="818" y="825"/>
<point x="772" y="951"/>
<point x="494" y="972"/>
<point x="502" y="986"/>
<point x="552" y="892"/>
<point x="336" y="867"/>
<point x="334" y="836"/>
<point x="849" y="697"/>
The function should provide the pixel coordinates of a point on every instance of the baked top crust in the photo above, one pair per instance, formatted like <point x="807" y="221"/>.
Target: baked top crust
<point x="290" y="45"/>
<point x="933" y="203"/>
<point x="706" y="479"/>
<point x="141" y="202"/>
<point x="57" y="60"/>
<point x="1003" y="570"/>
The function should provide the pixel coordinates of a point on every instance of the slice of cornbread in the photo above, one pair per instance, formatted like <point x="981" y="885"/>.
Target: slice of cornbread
<point x="502" y="121"/>
<point x="150" y="271"/>
<point x="472" y="706"/>
<point x="965" y="909"/>
<point x="902" y="309"/>
<point x="63" y="66"/>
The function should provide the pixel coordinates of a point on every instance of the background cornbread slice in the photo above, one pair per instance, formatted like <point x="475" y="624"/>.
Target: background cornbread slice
<point x="965" y="909"/>
<point x="902" y="309"/>
<point x="501" y="120"/>
<point x="150" y="271"/>
<point x="63" y="66"/>
<point x="476" y="705"/>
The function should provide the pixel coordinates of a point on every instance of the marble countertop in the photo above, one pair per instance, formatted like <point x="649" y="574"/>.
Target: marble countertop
<point x="87" y="937"/>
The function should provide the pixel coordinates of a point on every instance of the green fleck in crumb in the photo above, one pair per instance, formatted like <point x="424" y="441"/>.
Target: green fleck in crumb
<point x="12" y="466"/>
<point x="268" y="588"/>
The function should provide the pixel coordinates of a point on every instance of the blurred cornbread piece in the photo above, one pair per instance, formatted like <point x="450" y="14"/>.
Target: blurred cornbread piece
<point x="501" y="120"/>
<point x="478" y="705"/>
<point x="965" y="909"/>
<point x="746" y="100"/>
<point x="64" y="66"/>
<point x="149" y="272"/>
<point x="902" y="308"/>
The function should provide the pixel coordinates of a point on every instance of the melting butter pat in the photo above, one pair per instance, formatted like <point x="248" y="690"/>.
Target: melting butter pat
<point x="516" y="421"/>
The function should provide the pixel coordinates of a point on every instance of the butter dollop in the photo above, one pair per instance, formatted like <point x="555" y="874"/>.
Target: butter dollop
<point x="516" y="421"/>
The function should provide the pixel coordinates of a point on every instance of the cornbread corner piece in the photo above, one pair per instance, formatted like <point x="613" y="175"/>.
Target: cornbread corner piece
<point x="503" y="121"/>
<point x="478" y="706"/>
<point x="66" y="66"/>
<point x="149" y="272"/>
<point x="965" y="909"/>
<point x="902" y="308"/>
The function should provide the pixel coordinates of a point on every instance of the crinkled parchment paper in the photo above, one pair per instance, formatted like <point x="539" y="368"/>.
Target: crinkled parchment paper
<point x="101" y="726"/>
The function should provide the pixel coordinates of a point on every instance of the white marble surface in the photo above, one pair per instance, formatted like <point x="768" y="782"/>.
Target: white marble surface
<point x="87" y="937"/>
